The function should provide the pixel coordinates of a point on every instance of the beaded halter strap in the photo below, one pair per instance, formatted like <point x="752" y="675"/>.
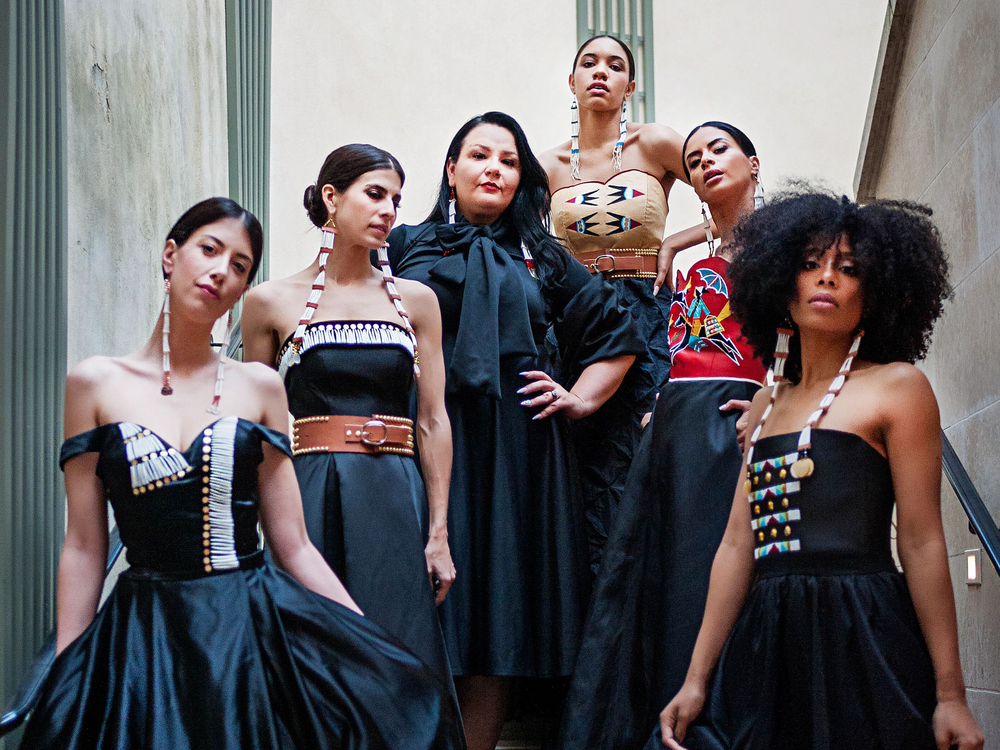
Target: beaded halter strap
<point x="802" y="465"/>
<point x="291" y="357"/>
<point x="397" y="301"/>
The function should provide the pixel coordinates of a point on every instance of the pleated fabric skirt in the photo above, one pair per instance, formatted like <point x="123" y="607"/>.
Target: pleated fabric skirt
<point x="825" y="662"/>
<point x="246" y="659"/>
<point x="652" y="584"/>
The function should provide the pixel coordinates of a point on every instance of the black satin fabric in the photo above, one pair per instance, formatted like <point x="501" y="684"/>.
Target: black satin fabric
<point x="515" y="520"/>
<point x="367" y="514"/>
<point x="247" y="658"/>
<point x="651" y="588"/>
<point x="827" y="652"/>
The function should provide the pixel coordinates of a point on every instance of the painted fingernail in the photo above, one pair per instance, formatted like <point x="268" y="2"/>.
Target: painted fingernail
<point x="526" y="402"/>
<point x="537" y="416"/>
<point x="522" y="390"/>
<point x="525" y="373"/>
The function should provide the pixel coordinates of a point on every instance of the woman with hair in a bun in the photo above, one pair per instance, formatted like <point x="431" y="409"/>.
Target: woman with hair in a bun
<point x="651" y="586"/>
<point x="349" y="341"/>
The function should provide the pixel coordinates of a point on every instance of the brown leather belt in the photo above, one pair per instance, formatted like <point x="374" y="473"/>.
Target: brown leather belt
<point x="348" y="434"/>
<point x="636" y="263"/>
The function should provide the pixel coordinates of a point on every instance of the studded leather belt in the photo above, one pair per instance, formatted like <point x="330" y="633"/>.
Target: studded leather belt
<point x="635" y="263"/>
<point x="349" y="434"/>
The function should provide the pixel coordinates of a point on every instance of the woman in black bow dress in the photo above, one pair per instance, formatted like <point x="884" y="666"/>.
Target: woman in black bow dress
<point x="203" y="643"/>
<point x="515" y="526"/>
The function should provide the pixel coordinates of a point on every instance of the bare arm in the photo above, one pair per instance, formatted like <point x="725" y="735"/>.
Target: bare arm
<point x="913" y="446"/>
<point x="596" y="384"/>
<point x="433" y="431"/>
<point x="260" y="340"/>
<point x="281" y="509"/>
<point x="85" y="548"/>
<point x="673" y="244"/>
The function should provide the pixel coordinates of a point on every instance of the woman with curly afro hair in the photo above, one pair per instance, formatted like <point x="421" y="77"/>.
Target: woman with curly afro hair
<point x="815" y="638"/>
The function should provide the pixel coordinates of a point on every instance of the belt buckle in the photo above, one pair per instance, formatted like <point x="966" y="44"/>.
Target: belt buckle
<point x="374" y="423"/>
<point x="596" y="265"/>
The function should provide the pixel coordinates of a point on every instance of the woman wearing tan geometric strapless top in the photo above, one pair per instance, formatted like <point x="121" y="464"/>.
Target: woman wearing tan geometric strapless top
<point x="609" y="187"/>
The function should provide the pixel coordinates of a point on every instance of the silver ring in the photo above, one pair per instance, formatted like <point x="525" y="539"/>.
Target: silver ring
<point x="552" y="393"/>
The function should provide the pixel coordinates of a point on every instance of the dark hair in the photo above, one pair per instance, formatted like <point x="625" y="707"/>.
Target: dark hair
<point x="628" y="53"/>
<point x="745" y="144"/>
<point x="212" y="210"/>
<point x="529" y="209"/>
<point x="897" y="253"/>
<point x="340" y="169"/>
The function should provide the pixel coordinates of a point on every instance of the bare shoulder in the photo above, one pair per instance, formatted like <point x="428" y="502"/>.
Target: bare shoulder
<point x="415" y="290"/>
<point x="760" y="401"/>
<point x="901" y="380"/>
<point x="418" y="297"/>
<point x="264" y="296"/>
<point x="93" y="371"/>
<point x="655" y="136"/>
<point x="263" y="379"/>
<point x="555" y="157"/>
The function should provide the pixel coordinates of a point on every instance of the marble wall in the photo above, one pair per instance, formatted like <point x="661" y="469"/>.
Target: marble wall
<point x="146" y="138"/>
<point x="943" y="149"/>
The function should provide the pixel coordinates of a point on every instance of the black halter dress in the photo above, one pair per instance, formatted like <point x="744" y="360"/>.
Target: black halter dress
<point x="827" y="653"/>
<point x="204" y="644"/>
<point x="367" y="514"/>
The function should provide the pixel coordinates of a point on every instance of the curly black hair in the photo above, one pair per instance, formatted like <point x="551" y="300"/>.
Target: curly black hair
<point x="897" y="253"/>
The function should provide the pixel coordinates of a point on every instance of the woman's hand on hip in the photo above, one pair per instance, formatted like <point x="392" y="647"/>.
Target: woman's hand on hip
<point x="543" y="391"/>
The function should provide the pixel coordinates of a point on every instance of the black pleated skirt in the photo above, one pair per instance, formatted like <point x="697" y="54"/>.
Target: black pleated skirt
<point x="241" y="660"/>
<point x="825" y="662"/>
<point x="652" y="585"/>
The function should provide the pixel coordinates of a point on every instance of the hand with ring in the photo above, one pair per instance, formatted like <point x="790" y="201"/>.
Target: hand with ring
<point x="544" y="391"/>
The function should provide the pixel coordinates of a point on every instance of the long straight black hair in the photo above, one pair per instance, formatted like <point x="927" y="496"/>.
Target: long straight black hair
<point x="528" y="211"/>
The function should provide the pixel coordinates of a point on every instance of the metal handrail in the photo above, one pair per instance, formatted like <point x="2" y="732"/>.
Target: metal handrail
<point x="31" y="685"/>
<point x="980" y="520"/>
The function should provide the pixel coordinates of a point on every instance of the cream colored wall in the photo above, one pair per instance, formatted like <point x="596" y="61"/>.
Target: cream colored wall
<point x="404" y="77"/>
<point x="146" y="138"/>
<point x="794" y="75"/>
<point x="943" y="149"/>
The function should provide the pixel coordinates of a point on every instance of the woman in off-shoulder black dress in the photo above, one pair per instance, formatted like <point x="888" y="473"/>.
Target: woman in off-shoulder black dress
<point x="515" y="518"/>
<point x="203" y="642"/>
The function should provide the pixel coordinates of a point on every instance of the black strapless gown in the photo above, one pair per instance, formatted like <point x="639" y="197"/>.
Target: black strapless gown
<point x="367" y="514"/>
<point x="827" y="653"/>
<point x="202" y="643"/>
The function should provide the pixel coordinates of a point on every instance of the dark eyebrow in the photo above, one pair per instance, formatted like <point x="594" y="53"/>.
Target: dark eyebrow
<point x="593" y="55"/>
<point x="216" y="240"/>
<point x="710" y="144"/>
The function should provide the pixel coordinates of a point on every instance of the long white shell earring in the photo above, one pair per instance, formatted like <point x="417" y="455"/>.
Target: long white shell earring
<point x="166" y="390"/>
<point x="574" y="146"/>
<point x="708" y="229"/>
<point x="758" y="192"/>
<point x="616" y="155"/>
<point x="451" y="207"/>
